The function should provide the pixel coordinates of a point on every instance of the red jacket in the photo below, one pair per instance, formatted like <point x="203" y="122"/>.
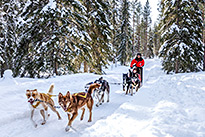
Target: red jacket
<point x="138" y="61"/>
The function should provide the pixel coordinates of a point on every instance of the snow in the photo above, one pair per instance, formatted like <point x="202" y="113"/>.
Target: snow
<point x="166" y="105"/>
<point x="51" y="5"/>
<point x="8" y="74"/>
<point x="7" y="79"/>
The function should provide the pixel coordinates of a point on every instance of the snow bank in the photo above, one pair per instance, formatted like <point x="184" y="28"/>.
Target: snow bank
<point x="7" y="78"/>
<point x="166" y="105"/>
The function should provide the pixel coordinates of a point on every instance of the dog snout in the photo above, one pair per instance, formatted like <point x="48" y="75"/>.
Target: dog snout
<point x="31" y="100"/>
<point x="64" y="107"/>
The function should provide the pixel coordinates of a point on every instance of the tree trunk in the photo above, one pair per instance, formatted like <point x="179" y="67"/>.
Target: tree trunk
<point x="176" y="66"/>
<point x="3" y="68"/>
<point x="56" y="67"/>
<point x="85" y="67"/>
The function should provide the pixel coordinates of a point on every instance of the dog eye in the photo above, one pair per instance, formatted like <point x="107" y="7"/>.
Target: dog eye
<point x="28" y="95"/>
<point x="33" y="95"/>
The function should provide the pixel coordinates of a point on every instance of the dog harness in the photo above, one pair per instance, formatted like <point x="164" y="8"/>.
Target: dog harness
<point x="39" y="101"/>
<point x="35" y="106"/>
<point x="78" y="94"/>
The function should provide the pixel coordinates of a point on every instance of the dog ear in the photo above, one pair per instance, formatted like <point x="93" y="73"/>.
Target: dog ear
<point x="35" y="90"/>
<point x="68" y="94"/>
<point x="60" y="94"/>
<point x="101" y="78"/>
<point x="27" y="90"/>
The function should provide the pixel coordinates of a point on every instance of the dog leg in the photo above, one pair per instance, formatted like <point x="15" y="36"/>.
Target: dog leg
<point x="54" y="110"/>
<point x="83" y="109"/>
<point x="131" y="90"/>
<point x="108" y="97"/>
<point x="70" y="121"/>
<point x="103" y="97"/>
<point x="68" y="116"/>
<point x="43" y="115"/>
<point x="98" y="99"/>
<point x="90" y="106"/>
<point x="32" y="113"/>
<point x="46" y="112"/>
<point x="108" y="94"/>
<point x="137" y="87"/>
<point x="128" y="86"/>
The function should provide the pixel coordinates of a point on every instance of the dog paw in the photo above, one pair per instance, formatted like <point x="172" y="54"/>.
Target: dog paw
<point x="59" y="118"/>
<point x="44" y="122"/>
<point x="35" y="125"/>
<point x="108" y="101"/>
<point x="67" y="128"/>
<point x="89" y="120"/>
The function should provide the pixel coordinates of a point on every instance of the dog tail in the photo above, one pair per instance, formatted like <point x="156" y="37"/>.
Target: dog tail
<point x="50" y="91"/>
<point x="92" y="87"/>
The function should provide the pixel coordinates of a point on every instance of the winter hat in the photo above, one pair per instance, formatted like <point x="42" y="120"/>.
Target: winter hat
<point x="139" y="54"/>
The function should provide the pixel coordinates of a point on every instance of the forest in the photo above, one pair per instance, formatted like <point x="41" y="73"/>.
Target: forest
<point x="44" y="38"/>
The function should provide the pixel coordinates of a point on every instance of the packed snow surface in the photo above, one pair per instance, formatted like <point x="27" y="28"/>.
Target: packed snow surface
<point x="165" y="106"/>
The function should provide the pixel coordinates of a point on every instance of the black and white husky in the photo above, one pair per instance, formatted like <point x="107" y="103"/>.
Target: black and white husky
<point x="99" y="92"/>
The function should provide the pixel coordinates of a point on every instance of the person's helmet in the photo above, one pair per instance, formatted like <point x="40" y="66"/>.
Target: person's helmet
<point x="139" y="54"/>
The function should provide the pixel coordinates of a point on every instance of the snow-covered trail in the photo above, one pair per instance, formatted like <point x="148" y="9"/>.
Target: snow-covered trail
<point x="15" y="114"/>
<point x="166" y="105"/>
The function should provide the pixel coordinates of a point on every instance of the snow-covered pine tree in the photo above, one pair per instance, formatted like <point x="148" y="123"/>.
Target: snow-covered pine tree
<point x="156" y="39"/>
<point x="115" y="22"/>
<point x="56" y="30"/>
<point x="134" y="27"/>
<point x="124" y="51"/>
<point x="10" y="36"/>
<point x="97" y="13"/>
<point x="182" y="48"/>
<point x="146" y="24"/>
<point x="138" y="25"/>
<point x="150" y="45"/>
<point x="202" y="8"/>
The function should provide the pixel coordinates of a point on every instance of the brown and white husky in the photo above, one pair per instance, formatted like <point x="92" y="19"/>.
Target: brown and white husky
<point x="71" y="104"/>
<point x="41" y="101"/>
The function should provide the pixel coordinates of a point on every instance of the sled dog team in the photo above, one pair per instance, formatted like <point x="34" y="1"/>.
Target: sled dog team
<point x="70" y="103"/>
